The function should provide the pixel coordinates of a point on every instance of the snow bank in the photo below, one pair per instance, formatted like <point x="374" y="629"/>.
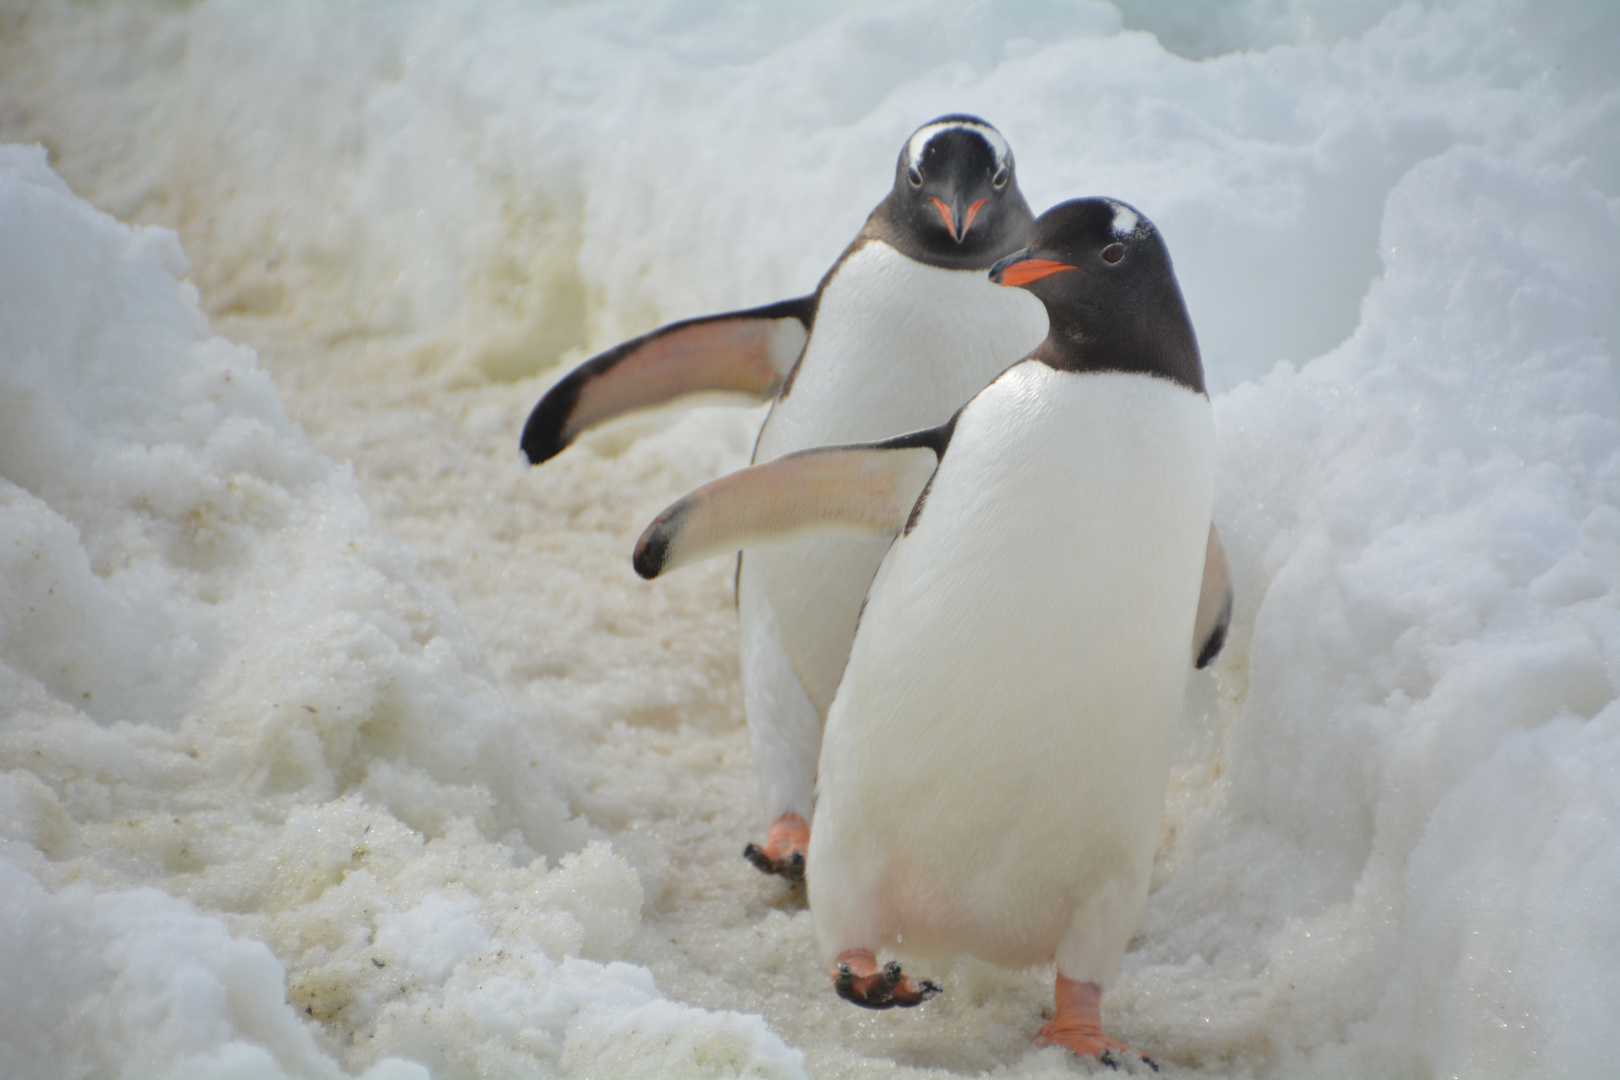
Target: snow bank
<point x="1392" y="845"/>
<point x="1417" y="817"/>
<point x="484" y="187"/>
<point x="219" y="677"/>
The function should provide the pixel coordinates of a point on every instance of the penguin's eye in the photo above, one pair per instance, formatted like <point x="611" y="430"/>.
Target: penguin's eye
<point x="999" y="180"/>
<point x="1113" y="253"/>
<point x="914" y="175"/>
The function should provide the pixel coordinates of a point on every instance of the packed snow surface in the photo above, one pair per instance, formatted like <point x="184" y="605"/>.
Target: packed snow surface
<point x="334" y="740"/>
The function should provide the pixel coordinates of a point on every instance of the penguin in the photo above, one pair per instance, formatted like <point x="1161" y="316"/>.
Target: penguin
<point x="901" y="331"/>
<point x="994" y="767"/>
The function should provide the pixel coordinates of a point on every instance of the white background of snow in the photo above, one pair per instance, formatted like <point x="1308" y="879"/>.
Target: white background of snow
<point x="1392" y="843"/>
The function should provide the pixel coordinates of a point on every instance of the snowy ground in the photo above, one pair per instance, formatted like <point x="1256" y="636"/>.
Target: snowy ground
<point x="392" y="764"/>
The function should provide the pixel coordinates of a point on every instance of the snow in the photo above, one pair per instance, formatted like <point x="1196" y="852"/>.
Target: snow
<point x="336" y="741"/>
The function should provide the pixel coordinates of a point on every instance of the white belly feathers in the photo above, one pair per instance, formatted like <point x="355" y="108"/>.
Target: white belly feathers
<point x="1006" y="720"/>
<point x="897" y="346"/>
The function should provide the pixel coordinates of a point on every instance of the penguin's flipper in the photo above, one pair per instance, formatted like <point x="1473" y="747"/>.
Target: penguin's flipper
<point x="858" y="979"/>
<point x="1214" y="604"/>
<point x="866" y="489"/>
<point x="742" y="352"/>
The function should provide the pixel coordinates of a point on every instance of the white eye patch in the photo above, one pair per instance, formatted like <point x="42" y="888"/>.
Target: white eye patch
<point x="924" y="135"/>
<point x="1125" y="220"/>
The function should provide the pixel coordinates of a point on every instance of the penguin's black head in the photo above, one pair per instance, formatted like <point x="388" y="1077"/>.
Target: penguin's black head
<point x="1111" y="297"/>
<point x="955" y="201"/>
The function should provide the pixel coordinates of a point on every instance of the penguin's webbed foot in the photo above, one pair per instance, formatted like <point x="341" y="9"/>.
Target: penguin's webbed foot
<point x="791" y="867"/>
<point x="1111" y="1052"/>
<point x="858" y="979"/>
<point x="1076" y="1025"/>
<point x="784" y="850"/>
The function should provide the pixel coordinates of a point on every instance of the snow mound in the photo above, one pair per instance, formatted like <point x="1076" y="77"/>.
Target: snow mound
<point x="219" y="677"/>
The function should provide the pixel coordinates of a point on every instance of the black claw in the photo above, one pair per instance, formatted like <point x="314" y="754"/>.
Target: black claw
<point x="925" y="990"/>
<point x="880" y="996"/>
<point x="876" y="998"/>
<point x="1107" y="1058"/>
<point x="791" y="868"/>
<point x="881" y="993"/>
<point x="845" y="983"/>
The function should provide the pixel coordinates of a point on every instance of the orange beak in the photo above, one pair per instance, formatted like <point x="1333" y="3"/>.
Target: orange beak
<point x="1020" y="269"/>
<point x="949" y="217"/>
<point x="972" y="212"/>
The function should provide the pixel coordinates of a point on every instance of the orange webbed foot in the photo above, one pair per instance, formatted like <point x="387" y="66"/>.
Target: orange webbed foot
<point x="858" y="979"/>
<point x="784" y="848"/>
<point x="1076" y="1025"/>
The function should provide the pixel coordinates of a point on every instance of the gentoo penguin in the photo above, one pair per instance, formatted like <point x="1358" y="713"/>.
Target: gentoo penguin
<point x="993" y="772"/>
<point x="901" y="331"/>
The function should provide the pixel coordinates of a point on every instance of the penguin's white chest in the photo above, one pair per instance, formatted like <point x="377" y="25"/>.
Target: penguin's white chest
<point x="995" y="761"/>
<point x="897" y="346"/>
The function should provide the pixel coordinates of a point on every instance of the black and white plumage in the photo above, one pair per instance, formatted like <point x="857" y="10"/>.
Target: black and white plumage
<point x="995" y="760"/>
<point x="901" y="331"/>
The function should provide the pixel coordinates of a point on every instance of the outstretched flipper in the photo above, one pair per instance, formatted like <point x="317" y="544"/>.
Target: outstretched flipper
<point x="867" y="489"/>
<point x="747" y="352"/>
<point x="1214" y="604"/>
<point x="858" y="979"/>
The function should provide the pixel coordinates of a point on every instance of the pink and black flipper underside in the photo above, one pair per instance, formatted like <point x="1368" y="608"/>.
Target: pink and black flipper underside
<point x="749" y="352"/>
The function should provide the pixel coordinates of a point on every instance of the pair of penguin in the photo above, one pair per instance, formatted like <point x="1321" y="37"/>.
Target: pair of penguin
<point x="971" y="657"/>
